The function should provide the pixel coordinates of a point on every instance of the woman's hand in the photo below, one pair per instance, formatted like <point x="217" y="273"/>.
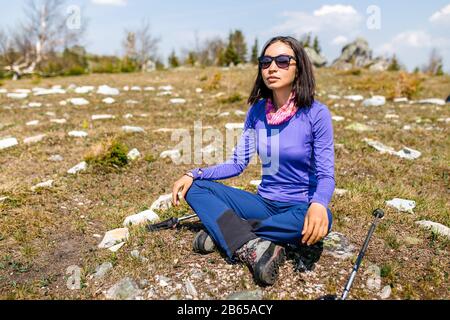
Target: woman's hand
<point x="184" y="183"/>
<point x="316" y="224"/>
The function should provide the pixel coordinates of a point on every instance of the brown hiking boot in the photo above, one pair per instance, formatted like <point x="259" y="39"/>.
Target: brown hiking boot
<point x="203" y="243"/>
<point x="264" y="258"/>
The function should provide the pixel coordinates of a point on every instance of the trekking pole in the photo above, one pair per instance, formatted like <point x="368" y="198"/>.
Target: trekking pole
<point x="169" y="223"/>
<point x="378" y="214"/>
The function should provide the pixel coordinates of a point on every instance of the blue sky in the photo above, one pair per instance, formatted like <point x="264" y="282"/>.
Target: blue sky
<point x="409" y="28"/>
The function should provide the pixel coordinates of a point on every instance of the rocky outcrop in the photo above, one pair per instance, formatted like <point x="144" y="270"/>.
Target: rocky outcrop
<point x="316" y="59"/>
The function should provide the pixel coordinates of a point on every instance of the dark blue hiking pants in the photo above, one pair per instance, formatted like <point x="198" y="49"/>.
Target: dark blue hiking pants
<point x="233" y="217"/>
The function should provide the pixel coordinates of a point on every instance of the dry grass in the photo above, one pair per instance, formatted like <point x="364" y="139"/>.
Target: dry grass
<point x="44" y="232"/>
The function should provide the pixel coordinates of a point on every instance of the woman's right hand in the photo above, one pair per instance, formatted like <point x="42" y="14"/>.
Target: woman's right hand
<point x="183" y="184"/>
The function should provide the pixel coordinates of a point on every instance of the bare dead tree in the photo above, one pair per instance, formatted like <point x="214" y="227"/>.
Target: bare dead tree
<point x="146" y="45"/>
<point x="435" y="63"/>
<point x="44" y="32"/>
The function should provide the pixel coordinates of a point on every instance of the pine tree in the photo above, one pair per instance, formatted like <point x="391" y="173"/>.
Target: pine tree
<point x="394" y="65"/>
<point x="191" y="58"/>
<point x="254" y="57"/>
<point x="316" y="45"/>
<point x="231" y="55"/>
<point x="240" y="46"/>
<point x="173" y="60"/>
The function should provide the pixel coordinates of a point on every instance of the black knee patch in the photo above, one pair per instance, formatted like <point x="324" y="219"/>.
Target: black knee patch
<point x="235" y="230"/>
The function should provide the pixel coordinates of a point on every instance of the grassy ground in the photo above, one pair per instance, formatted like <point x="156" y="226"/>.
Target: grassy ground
<point x="45" y="231"/>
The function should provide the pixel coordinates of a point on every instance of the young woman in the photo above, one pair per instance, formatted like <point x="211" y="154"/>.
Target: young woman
<point x="293" y="135"/>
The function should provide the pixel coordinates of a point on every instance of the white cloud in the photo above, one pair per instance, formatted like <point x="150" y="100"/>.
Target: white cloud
<point x="413" y="39"/>
<point x="339" y="40"/>
<point x="328" y="17"/>
<point x="441" y="16"/>
<point x="120" y="3"/>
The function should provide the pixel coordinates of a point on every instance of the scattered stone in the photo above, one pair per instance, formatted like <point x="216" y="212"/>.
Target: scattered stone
<point x="177" y="101"/>
<point x="56" y="158"/>
<point x="34" y="139"/>
<point x="356" y="97"/>
<point x="147" y="216"/>
<point x="406" y="153"/>
<point x="334" y="97"/>
<point x="164" y="93"/>
<point x="136" y="88"/>
<point x="109" y="100"/>
<point x="198" y="90"/>
<point x="316" y="58"/>
<point x="398" y="100"/>
<point x="79" y="101"/>
<point x="246" y="295"/>
<point x="113" y="237"/>
<point x="435" y="227"/>
<point x="79" y="167"/>
<point x="435" y="101"/>
<point x="190" y="289"/>
<point x="173" y="154"/>
<point x="74" y="280"/>
<point x="46" y="184"/>
<point x="131" y="102"/>
<point x="165" y="88"/>
<point x="84" y="89"/>
<point x="374" y="280"/>
<point x="337" y="118"/>
<point x="164" y="202"/>
<point x="375" y="101"/>
<point x="32" y="123"/>
<point x="165" y="130"/>
<point x="125" y="289"/>
<point x="340" y="192"/>
<point x="239" y="113"/>
<point x="149" y="89"/>
<point x="54" y="90"/>
<point x="116" y="247"/>
<point x="102" y="116"/>
<point x="402" y="204"/>
<point x="359" y="127"/>
<point x="78" y="134"/>
<point x="391" y="116"/>
<point x="128" y="116"/>
<point x="63" y="103"/>
<point x="7" y="143"/>
<point x="224" y="114"/>
<point x="133" y="154"/>
<point x="255" y="182"/>
<point x="107" y="91"/>
<point x="337" y="245"/>
<point x="35" y="105"/>
<point x="131" y="129"/>
<point x="58" y="121"/>
<point x="17" y="96"/>
<point x="102" y="270"/>
<point x="385" y="292"/>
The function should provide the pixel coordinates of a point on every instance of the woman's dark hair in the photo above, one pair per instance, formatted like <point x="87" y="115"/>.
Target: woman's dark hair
<point x="304" y="83"/>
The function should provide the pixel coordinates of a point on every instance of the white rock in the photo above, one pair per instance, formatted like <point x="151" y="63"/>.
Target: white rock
<point x="63" y="103"/>
<point x="164" y="130"/>
<point x="107" y="91"/>
<point x="50" y="114"/>
<point x="45" y="92"/>
<point x="435" y="227"/>
<point x="398" y="100"/>
<point x="385" y="292"/>
<point x="22" y="91"/>
<point x="149" y="89"/>
<point x="78" y="134"/>
<point x="354" y="97"/>
<point x="198" y="90"/>
<point x="164" y="93"/>
<point x="402" y="204"/>
<point x="337" y="118"/>
<point x="116" y="247"/>
<point x="79" y="167"/>
<point x="391" y="116"/>
<point x="32" y="123"/>
<point x="334" y="97"/>
<point x="239" y="113"/>
<point x="255" y="182"/>
<point x="374" y="280"/>
<point x="35" y="105"/>
<point x="126" y="88"/>
<point x="173" y="154"/>
<point x="177" y="101"/>
<point x="359" y="127"/>
<point x="132" y="129"/>
<point x="131" y="102"/>
<point x="408" y="153"/>
<point x="45" y="184"/>
<point x="56" y="158"/>
<point x="7" y="143"/>
<point x="232" y="126"/>
<point x="340" y="192"/>
<point x="375" y="101"/>
<point x="190" y="289"/>
<point x="114" y="237"/>
<point x="147" y="216"/>
<point x="165" y="88"/>
<point x="84" y="89"/>
<point x="59" y="121"/>
<point x="224" y="114"/>
<point x="109" y="100"/>
<point x="79" y="101"/>
<point x="133" y="154"/>
<point x="164" y="202"/>
<point x="436" y="101"/>
<point x="17" y="96"/>
<point x="136" y="88"/>
<point x="2" y="91"/>
<point x="34" y="139"/>
<point x="102" y="116"/>
<point x="379" y="146"/>
<point x="128" y="116"/>
<point x="406" y="127"/>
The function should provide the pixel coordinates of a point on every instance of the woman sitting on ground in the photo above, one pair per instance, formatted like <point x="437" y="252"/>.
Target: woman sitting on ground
<point x="293" y="136"/>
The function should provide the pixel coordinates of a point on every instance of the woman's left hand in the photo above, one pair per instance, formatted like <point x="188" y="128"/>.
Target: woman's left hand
<point x="316" y="224"/>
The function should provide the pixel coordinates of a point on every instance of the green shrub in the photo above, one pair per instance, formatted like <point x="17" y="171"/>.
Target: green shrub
<point x="111" y="153"/>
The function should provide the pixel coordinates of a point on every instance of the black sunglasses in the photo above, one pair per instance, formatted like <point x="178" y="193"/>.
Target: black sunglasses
<point x="283" y="61"/>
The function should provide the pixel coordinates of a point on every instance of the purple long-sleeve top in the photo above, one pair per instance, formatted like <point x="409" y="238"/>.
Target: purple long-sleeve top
<point x="297" y="156"/>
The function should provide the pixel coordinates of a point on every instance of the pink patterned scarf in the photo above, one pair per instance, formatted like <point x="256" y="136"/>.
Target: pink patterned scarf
<point x="283" y="113"/>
